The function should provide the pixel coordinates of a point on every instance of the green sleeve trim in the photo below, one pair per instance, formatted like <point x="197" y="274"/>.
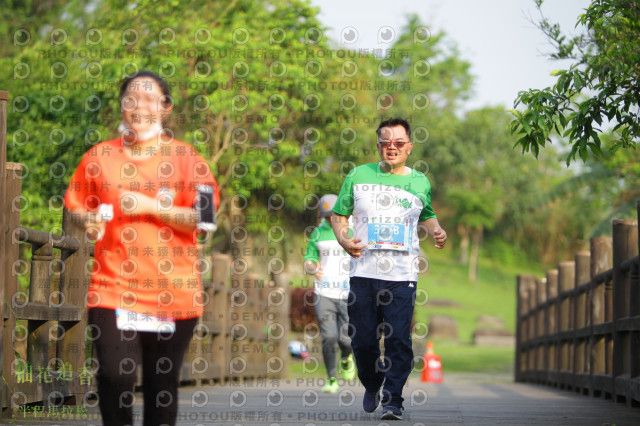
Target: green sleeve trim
<point x="312" y="253"/>
<point x="344" y="203"/>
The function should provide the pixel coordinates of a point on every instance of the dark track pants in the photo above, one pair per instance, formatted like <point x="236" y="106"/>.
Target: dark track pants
<point x="119" y="352"/>
<point x="377" y="305"/>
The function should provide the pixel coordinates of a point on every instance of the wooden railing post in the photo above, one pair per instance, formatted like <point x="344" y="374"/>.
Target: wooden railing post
<point x="74" y="286"/>
<point x="41" y="348"/>
<point x="532" y="333"/>
<point x="542" y="331"/>
<point x="13" y="268"/>
<point x="634" y="309"/>
<point x="4" y="274"/>
<point x="523" y="333"/>
<point x="580" y="321"/>
<point x="279" y="302"/>
<point x="600" y="262"/>
<point x="625" y="246"/>
<point x="566" y="283"/>
<point x="552" y="326"/>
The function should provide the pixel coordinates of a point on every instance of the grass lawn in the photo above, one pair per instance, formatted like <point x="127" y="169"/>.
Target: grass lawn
<point x="460" y="357"/>
<point x="493" y="294"/>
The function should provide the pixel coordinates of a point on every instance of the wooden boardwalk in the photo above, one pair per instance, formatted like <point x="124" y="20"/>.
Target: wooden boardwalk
<point x="469" y="400"/>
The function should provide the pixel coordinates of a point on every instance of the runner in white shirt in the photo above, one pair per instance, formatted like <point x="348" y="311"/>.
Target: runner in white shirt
<point x="329" y="263"/>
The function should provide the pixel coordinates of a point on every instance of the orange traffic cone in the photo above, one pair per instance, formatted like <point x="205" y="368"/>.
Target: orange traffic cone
<point x="432" y="366"/>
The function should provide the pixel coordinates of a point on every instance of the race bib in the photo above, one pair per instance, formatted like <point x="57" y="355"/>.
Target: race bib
<point x="127" y="320"/>
<point x="390" y="236"/>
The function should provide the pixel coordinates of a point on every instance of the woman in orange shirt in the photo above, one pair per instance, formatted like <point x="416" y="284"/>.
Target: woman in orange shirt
<point x="137" y="197"/>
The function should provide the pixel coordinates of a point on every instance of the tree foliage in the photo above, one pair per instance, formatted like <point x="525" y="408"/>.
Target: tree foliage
<point x="599" y="88"/>
<point x="281" y="114"/>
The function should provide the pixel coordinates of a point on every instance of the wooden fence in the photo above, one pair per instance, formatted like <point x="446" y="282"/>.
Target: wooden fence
<point x="578" y="328"/>
<point x="46" y="356"/>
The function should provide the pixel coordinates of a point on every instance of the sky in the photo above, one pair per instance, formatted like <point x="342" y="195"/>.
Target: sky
<point x="497" y="37"/>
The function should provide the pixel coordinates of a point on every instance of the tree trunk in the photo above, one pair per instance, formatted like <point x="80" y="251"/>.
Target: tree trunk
<point x="464" y="243"/>
<point x="476" y="239"/>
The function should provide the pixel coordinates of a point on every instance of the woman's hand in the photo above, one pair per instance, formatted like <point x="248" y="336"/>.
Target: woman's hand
<point x="93" y="222"/>
<point x="94" y="227"/>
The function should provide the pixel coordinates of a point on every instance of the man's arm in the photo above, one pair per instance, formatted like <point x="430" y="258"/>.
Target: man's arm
<point x="340" y="225"/>
<point x="433" y="228"/>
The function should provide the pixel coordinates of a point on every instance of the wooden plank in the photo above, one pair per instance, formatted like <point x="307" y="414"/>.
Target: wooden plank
<point x="627" y="388"/>
<point x="582" y="333"/>
<point x="566" y="335"/>
<point x="566" y="380"/>
<point x="628" y="264"/>
<point x="628" y="324"/>
<point x="36" y="237"/>
<point x="41" y="312"/>
<point x="602" y="384"/>
<point x="603" y="329"/>
<point x="582" y="383"/>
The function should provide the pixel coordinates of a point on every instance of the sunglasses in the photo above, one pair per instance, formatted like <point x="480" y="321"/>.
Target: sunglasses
<point x="397" y="144"/>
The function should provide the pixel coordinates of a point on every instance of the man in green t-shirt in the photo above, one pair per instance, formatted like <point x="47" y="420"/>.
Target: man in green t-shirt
<point x="389" y="202"/>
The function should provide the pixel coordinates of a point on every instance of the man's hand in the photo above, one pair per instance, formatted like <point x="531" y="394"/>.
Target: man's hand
<point x="433" y="228"/>
<point x="351" y="246"/>
<point x="440" y="237"/>
<point x="340" y="225"/>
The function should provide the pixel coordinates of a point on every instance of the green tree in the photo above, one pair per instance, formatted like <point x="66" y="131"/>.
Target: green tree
<point x="433" y="80"/>
<point x="243" y="79"/>
<point x="476" y="163"/>
<point x="609" y="187"/>
<point x="430" y="69"/>
<point x="601" y="85"/>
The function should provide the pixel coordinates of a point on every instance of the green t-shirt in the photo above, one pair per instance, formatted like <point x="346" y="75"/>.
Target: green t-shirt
<point x="386" y="209"/>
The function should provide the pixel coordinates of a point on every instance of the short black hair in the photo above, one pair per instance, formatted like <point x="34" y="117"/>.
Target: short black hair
<point x="164" y="86"/>
<point x="395" y="122"/>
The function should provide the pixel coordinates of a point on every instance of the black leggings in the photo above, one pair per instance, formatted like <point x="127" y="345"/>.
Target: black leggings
<point x="119" y="353"/>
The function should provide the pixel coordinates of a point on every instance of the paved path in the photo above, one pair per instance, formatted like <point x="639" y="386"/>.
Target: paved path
<point x="469" y="400"/>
